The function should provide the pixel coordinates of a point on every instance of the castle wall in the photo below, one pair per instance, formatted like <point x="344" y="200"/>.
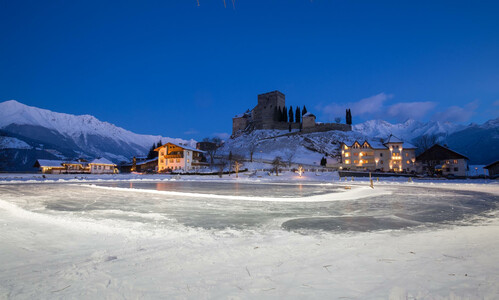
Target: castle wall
<point x="263" y="113"/>
<point x="239" y="124"/>
<point x="327" y="127"/>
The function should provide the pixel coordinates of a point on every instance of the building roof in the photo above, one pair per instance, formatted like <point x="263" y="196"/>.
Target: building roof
<point x="438" y="152"/>
<point x="489" y="166"/>
<point x="180" y="146"/>
<point x="101" y="161"/>
<point x="378" y="144"/>
<point x="49" y="163"/>
<point x="309" y="114"/>
<point x="393" y="139"/>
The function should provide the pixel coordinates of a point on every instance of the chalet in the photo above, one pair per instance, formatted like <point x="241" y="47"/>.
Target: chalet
<point x="97" y="166"/>
<point x="173" y="157"/>
<point x="493" y="169"/>
<point x="393" y="155"/>
<point x="49" y="166"/>
<point x="102" y="166"/>
<point x="442" y="161"/>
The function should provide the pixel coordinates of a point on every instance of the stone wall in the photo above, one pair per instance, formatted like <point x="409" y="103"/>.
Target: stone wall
<point x="327" y="127"/>
<point x="239" y="124"/>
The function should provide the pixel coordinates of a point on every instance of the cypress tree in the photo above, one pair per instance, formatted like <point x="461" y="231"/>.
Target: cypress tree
<point x="348" y="117"/>
<point x="298" y="115"/>
<point x="285" y="114"/>
<point x="304" y="111"/>
<point x="291" y="120"/>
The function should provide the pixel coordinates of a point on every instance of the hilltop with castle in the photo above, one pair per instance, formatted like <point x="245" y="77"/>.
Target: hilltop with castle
<point x="271" y="113"/>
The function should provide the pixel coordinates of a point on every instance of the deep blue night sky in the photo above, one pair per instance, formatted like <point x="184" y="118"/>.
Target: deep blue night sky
<point x="175" y="69"/>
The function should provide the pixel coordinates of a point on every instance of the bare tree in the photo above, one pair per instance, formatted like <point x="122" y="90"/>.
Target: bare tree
<point x="277" y="163"/>
<point x="222" y="163"/>
<point x="211" y="147"/>
<point x="425" y="142"/>
<point x="252" y="148"/>
<point x="289" y="157"/>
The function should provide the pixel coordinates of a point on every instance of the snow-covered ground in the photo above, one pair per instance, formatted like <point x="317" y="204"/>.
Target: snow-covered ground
<point x="258" y="236"/>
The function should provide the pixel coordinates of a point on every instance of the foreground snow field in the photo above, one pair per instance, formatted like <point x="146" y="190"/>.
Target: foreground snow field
<point x="131" y="236"/>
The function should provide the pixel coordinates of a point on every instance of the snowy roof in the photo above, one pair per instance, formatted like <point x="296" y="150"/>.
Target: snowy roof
<point x="101" y="161"/>
<point x="309" y="114"/>
<point x="181" y="146"/>
<point x="50" y="163"/>
<point x="407" y="145"/>
<point x="146" y="161"/>
<point x="376" y="144"/>
<point x="393" y="139"/>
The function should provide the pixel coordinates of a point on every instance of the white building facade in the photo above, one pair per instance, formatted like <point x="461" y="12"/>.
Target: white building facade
<point x="391" y="155"/>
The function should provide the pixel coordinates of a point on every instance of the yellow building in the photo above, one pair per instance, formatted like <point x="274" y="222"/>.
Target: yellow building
<point x="393" y="155"/>
<point x="177" y="157"/>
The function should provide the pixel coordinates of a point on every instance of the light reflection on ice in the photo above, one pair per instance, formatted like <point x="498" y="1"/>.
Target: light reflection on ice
<point x="216" y="206"/>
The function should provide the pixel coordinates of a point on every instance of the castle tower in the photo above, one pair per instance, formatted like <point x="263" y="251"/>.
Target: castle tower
<point x="263" y="113"/>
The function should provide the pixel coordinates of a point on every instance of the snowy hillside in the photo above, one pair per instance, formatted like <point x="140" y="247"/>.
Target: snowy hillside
<point x="71" y="135"/>
<point x="297" y="148"/>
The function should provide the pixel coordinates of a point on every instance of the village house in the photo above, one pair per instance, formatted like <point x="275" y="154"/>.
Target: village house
<point x="102" y="166"/>
<point x="391" y="155"/>
<point x="80" y="166"/>
<point x="443" y="161"/>
<point x="493" y="169"/>
<point x="178" y="157"/>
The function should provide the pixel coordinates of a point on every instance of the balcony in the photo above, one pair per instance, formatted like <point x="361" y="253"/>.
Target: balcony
<point x="174" y="155"/>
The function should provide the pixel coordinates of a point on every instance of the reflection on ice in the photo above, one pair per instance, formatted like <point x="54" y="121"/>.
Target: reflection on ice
<point x="221" y="205"/>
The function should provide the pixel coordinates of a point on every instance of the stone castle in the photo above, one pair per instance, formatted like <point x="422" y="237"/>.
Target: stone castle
<point x="263" y="116"/>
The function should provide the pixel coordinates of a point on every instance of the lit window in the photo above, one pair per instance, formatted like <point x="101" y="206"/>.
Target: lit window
<point x="355" y="161"/>
<point x="406" y="154"/>
<point x="455" y="161"/>
<point x="408" y="162"/>
<point x="178" y="160"/>
<point x="347" y="161"/>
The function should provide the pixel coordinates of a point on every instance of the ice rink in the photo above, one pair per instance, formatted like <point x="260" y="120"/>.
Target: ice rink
<point x="205" y="239"/>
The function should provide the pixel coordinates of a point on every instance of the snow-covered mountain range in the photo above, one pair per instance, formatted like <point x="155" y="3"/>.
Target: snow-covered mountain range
<point x="409" y="130"/>
<point x="28" y="133"/>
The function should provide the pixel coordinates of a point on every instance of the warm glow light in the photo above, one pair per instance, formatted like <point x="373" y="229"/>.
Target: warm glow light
<point x="347" y="161"/>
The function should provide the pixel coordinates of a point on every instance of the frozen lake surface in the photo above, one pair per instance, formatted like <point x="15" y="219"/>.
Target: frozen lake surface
<point x="195" y="239"/>
<point x="198" y="204"/>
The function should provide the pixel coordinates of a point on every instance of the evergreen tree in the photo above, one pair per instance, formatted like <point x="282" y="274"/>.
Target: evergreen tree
<point x="159" y="144"/>
<point x="291" y="120"/>
<point x="298" y="115"/>
<point x="304" y="111"/>
<point x="151" y="154"/>
<point x="285" y="114"/>
<point x="348" y="117"/>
